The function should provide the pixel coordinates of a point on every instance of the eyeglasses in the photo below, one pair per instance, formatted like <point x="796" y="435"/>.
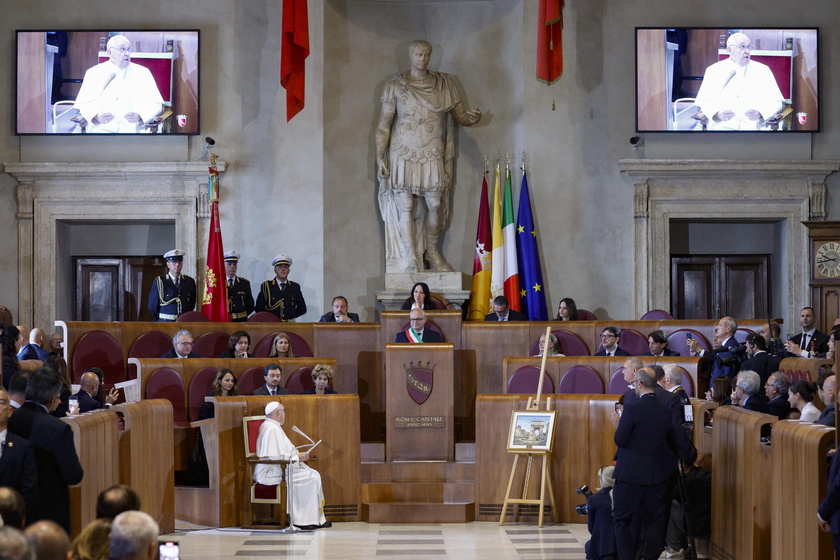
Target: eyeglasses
<point x="186" y="343"/>
<point x="607" y="336"/>
<point x="742" y="47"/>
<point x="417" y="320"/>
<point x="123" y="50"/>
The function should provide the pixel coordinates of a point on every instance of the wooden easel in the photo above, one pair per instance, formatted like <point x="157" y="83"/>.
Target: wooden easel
<point x="545" y="476"/>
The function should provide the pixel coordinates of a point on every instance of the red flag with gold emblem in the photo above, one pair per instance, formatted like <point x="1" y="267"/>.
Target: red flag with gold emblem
<point x="215" y="301"/>
<point x="294" y="48"/>
<point x="550" y="41"/>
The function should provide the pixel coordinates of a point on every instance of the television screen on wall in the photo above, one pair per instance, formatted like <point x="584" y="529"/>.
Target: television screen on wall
<point x="692" y="79"/>
<point x="72" y="81"/>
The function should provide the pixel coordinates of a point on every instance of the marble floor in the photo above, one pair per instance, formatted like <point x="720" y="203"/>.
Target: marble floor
<point x="365" y="540"/>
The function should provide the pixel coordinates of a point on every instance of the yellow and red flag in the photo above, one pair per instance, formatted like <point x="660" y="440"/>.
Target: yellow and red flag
<point x="214" y="304"/>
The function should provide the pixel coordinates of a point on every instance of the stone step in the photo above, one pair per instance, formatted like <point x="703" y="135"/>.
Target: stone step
<point x="418" y="512"/>
<point x="417" y="472"/>
<point x="425" y="492"/>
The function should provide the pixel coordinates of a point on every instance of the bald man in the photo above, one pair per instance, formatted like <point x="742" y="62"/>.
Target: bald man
<point x="828" y="394"/>
<point x="88" y="391"/>
<point x="34" y="350"/>
<point x="48" y="540"/>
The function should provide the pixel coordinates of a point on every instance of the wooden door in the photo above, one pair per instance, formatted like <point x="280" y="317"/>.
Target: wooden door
<point x="114" y="288"/>
<point x="713" y="286"/>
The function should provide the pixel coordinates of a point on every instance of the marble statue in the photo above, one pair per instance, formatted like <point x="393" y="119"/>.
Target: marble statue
<point x="415" y="152"/>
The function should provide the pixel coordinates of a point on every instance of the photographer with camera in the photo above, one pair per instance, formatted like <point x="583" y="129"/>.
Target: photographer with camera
<point x="598" y="509"/>
<point x="728" y="356"/>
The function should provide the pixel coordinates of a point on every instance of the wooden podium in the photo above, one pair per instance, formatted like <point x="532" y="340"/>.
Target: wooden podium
<point x="420" y="402"/>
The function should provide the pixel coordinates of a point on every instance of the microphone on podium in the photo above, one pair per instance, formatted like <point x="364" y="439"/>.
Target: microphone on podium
<point x="298" y="430"/>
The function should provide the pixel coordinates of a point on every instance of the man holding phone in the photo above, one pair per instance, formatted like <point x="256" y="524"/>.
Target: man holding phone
<point x="86" y="397"/>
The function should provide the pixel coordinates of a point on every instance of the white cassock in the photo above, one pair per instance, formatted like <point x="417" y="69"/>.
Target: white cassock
<point x="307" y="504"/>
<point x="130" y="90"/>
<point x="727" y="86"/>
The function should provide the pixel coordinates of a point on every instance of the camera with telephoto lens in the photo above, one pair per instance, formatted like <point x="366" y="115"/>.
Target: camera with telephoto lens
<point x="583" y="509"/>
<point x="739" y="355"/>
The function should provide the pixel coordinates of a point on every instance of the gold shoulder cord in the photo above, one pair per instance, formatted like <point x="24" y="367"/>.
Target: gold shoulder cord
<point x="163" y="302"/>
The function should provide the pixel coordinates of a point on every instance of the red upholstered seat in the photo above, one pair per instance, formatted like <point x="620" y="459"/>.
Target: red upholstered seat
<point x="263" y="492"/>
<point x="300" y="381"/>
<point x="250" y="379"/>
<point x="150" y="344"/>
<point x="193" y="317"/>
<point x="258" y="493"/>
<point x="618" y="386"/>
<point x="99" y="349"/>
<point x="657" y="315"/>
<point x="676" y="341"/>
<point x="581" y="380"/>
<point x="264" y="317"/>
<point x="570" y="344"/>
<point x="431" y="325"/>
<point x="165" y="383"/>
<point x="201" y="385"/>
<point x="211" y="344"/>
<point x="742" y="333"/>
<point x="525" y="381"/>
<point x="300" y="347"/>
<point x="585" y="315"/>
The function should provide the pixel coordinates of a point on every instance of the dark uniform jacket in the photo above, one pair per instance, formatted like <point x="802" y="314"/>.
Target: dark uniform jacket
<point x="287" y="304"/>
<point x="240" y="300"/>
<point x="166" y="301"/>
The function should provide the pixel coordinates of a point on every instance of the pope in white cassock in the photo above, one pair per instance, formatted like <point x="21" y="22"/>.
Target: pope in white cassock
<point x="307" y="502"/>
<point x="117" y="96"/>
<point x="739" y="93"/>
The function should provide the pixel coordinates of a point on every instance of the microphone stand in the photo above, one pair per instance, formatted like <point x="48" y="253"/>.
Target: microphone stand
<point x="291" y="529"/>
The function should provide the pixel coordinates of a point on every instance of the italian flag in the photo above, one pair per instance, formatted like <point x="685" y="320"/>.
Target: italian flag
<point x="509" y="236"/>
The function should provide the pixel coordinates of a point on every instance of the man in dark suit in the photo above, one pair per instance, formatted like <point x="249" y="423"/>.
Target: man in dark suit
<point x="172" y="293"/>
<point x="280" y="295"/>
<point x="724" y="332"/>
<point x="417" y="331"/>
<point x="52" y="441"/>
<point x="18" y="469"/>
<point x="182" y="344"/>
<point x="503" y="312"/>
<point x="610" y="338"/>
<point x="34" y="350"/>
<point x="810" y="341"/>
<point x="776" y="392"/>
<point x="828" y="513"/>
<point x="339" y="312"/>
<point x="746" y="393"/>
<point x="88" y="391"/>
<point x="272" y="374"/>
<point x="645" y="436"/>
<point x="240" y="299"/>
<point x="760" y="361"/>
<point x="658" y="345"/>
<point x="827" y="385"/>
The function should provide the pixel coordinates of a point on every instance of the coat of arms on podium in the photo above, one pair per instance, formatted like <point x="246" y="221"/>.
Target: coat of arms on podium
<point x="419" y="379"/>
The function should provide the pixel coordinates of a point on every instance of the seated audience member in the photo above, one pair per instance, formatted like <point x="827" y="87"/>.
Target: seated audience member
<point x="720" y="391"/>
<point x="14" y="545"/>
<point x="610" y="338"/>
<point x="57" y="344"/>
<point x="281" y="346"/>
<point x="58" y="464"/>
<point x="830" y="353"/>
<point x="746" y="393"/>
<point x="238" y="345"/>
<point x="810" y="343"/>
<point x="567" y="310"/>
<point x="827" y="387"/>
<point x="503" y="312"/>
<point x="760" y="361"/>
<point x="308" y="496"/>
<point x="322" y="375"/>
<point x="18" y="469"/>
<point x="12" y="507"/>
<point x="801" y="397"/>
<point x="182" y="344"/>
<point x="134" y="536"/>
<point x="100" y="395"/>
<point x="776" y="392"/>
<point x="34" y="349"/>
<point x="553" y="347"/>
<point x="23" y="336"/>
<point x="658" y="345"/>
<point x="417" y="332"/>
<point x="601" y="545"/>
<point x="339" y="312"/>
<point x="698" y="489"/>
<point x="223" y="386"/>
<point x="420" y="298"/>
<point x="88" y="391"/>
<point x="116" y="499"/>
<point x="672" y="382"/>
<point x="273" y="374"/>
<point x="9" y="341"/>
<point x="93" y="543"/>
<point x="48" y="540"/>
<point x="58" y="365"/>
<point x="17" y="388"/>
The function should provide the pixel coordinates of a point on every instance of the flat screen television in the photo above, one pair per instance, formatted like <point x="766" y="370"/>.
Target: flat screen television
<point x="704" y="79"/>
<point x="84" y="81"/>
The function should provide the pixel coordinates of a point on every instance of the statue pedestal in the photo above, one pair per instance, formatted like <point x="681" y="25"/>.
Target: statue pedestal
<point x="454" y="286"/>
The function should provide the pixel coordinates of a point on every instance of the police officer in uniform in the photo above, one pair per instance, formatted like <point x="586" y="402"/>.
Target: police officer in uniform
<point x="172" y="293"/>
<point x="240" y="300"/>
<point x="280" y="295"/>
